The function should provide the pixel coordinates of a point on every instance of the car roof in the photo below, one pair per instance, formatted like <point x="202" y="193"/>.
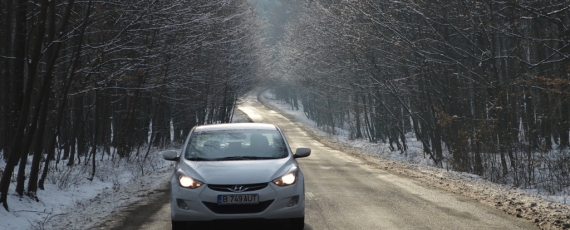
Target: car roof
<point x="236" y="126"/>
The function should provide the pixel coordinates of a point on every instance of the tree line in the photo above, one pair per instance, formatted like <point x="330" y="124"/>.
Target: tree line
<point x="482" y="85"/>
<point x="115" y="77"/>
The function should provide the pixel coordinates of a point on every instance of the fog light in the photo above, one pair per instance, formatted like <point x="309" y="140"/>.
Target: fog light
<point x="294" y="201"/>
<point x="182" y="204"/>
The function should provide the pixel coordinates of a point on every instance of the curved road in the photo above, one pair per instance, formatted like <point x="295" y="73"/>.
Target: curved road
<point x="343" y="192"/>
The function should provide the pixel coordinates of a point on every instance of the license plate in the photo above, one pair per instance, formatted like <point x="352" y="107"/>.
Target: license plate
<point x="238" y="199"/>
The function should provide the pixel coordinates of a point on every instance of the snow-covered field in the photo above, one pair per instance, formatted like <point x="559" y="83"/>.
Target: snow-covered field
<point x="547" y="211"/>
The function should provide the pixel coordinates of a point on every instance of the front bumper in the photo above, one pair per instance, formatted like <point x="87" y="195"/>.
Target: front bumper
<point x="201" y="204"/>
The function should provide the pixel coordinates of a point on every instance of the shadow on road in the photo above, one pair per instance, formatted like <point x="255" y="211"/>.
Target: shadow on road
<point x="243" y="225"/>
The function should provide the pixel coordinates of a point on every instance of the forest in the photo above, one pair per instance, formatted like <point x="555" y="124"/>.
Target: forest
<point x="112" y="77"/>
<point x="482" y="85"/>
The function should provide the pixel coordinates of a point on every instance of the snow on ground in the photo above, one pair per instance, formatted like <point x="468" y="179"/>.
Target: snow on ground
<point x="548" y="212"/>
<point x="71" y="201"/>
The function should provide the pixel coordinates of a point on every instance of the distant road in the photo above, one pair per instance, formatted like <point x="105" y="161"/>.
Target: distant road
<point x="344" y="192"/>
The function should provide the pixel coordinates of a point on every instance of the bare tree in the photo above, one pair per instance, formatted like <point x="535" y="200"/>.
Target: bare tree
<point x="482" y="85"/>
<point x="99" y="76"/>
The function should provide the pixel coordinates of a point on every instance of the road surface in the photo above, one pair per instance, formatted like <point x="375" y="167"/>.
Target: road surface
<point x="344" y="192"/>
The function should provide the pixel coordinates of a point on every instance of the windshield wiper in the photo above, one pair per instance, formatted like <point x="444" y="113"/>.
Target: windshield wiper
<point x="242" y="158"/>
<point x="199" y="159"/>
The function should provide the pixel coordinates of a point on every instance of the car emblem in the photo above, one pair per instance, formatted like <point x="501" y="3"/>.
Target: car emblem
<point x="238" y="188"/>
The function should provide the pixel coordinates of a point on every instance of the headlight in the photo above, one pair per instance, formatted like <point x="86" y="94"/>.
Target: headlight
<point x="288" y="179"/>
<point x="186" y="181"/>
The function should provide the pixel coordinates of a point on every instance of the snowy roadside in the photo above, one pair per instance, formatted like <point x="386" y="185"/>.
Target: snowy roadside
<point x="548" y="212"/>
<point x="71" y="201"/>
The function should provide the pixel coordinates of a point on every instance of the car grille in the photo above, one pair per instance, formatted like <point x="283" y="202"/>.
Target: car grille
<point x="246" y="187"/>
<point x="238" y="209"/>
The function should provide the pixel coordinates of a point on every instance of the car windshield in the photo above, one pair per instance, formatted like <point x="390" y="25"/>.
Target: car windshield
<point x="220" y="145"/>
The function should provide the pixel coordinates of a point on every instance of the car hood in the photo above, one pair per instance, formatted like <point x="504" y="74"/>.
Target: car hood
<point x="238" y="171"/>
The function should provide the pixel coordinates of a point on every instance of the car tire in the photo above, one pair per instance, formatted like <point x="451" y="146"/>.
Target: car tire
<point x="297" y="223"/>
<point x="178" y="225"/>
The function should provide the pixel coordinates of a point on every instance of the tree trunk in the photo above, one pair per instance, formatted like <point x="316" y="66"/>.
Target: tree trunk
<point x="17" y="146"/>
<point x="37" y="151"/>
<point x="358" y="134"/>
<point x="5" y="77"/>
<point x="94" y="148"/>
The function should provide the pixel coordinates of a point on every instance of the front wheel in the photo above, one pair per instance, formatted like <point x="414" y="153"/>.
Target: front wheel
<point x="297" y="223"/>
<point x="178" y="225"/>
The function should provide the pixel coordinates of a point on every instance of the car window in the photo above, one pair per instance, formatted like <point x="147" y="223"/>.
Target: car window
<point x="236" y="145"/>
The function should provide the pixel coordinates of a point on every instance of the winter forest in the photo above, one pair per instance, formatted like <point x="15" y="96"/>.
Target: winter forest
<point x="483" y="85"/>
<point x="81" y="78"/>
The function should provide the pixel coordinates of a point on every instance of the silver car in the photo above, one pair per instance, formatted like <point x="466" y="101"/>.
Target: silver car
<point x="237" y="171"/>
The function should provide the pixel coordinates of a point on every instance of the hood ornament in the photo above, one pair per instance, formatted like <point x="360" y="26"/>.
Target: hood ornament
<point x="238" y="188"/>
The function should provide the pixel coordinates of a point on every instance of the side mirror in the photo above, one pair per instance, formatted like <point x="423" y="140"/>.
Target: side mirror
<point x="170" y="155"/>
<point x="302" y="152"/>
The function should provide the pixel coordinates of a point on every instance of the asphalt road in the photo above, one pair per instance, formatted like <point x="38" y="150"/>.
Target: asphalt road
<point x="344" y="192"/>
